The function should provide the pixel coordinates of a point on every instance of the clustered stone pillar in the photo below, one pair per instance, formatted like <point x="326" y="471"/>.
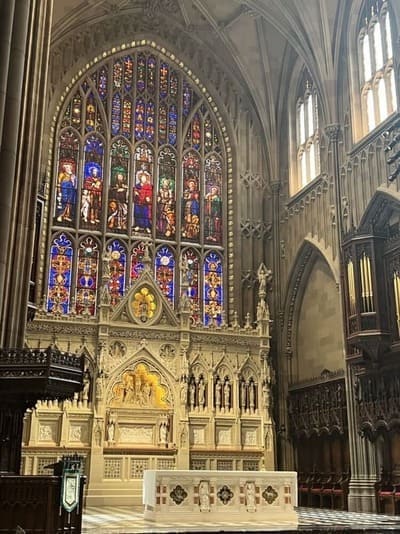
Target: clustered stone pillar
<point x="25" y="27"/>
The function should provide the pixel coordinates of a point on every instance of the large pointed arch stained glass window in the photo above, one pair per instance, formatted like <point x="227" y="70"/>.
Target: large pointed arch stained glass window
<point x="139" y="167"/>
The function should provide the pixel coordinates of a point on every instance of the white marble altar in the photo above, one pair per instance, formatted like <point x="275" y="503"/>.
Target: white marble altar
<point x="212" y="495"/>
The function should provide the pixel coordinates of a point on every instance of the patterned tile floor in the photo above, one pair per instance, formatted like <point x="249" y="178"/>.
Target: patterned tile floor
<point x="114" y="520"/>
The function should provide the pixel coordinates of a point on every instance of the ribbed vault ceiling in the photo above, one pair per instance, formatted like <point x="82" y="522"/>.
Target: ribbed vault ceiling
<point x="256" y="41"/>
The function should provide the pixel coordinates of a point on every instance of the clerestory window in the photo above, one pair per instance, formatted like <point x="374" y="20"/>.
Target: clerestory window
<point x="377" y="78"/>
<point x="307" y="139"/>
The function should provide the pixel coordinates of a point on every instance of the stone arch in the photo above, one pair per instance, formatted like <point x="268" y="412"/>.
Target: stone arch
<point x="381" y="207"/>
<point x="312" y="261"/>
<point x="141" y="383"/>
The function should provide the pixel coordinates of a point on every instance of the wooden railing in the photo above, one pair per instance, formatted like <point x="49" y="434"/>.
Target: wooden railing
<point x="33" y="503"/>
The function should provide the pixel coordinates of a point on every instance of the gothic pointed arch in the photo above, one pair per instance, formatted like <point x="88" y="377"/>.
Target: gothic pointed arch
<point x="311" y="261"/>
<point x="141" y="156"/>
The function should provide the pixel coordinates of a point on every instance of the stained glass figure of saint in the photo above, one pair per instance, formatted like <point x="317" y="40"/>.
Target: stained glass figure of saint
<point x="66" y="191"/>
<point x="118" y="200"/>
<point x="91" y="194"/>
<point x="143" y="190"/>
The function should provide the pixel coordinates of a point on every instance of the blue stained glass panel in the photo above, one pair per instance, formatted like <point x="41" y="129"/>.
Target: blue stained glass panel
<point x="151" y="74"/>
<point x="116" y="114"/>
<point x="59" y="283"/>
<point x="137" y="264"/>
<point x="172" y="124"/>
<point x="102" y="86"/>
<point x="187" y="98"/>
<point x="128" y="72"/>
<point x="86" y="280"/>
<point x="163" y="80"/>
<point x="165" y="271"/>
<point x="140" y="73"/>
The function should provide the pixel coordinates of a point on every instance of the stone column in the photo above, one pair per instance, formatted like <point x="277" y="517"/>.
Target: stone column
<point x="6" y="22"/>
<point x="284" y="452"/>
<point x="362" y="458"/>
<point x="362" y="455"/>
<point x="20" y="154"/>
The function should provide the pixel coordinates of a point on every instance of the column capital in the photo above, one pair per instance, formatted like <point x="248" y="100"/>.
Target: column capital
<point x="332" y="131"/>
<point x="275" y="186"/>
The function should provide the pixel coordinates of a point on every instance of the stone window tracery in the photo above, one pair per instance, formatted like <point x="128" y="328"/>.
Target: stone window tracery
<point x="139" y="159"/>
<point x="376" y="68"/>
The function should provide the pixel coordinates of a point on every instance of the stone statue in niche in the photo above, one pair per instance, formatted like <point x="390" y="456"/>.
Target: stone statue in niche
<point x="163" y="432"/>
<point x="201" y="393"/>
<point x="266" y="389"/>
<point x="118" y="350"/>
<point x="250" y="492"/>
<point x="243" y="396"/>
<point x="99" y="385"/>
<point x="227" y="395"/>
<point x="183" y="392"/>
<point x="252" y="396"/>
<point x="111" y="427"/>
<point x="183" y="437"/>
<point x="218" y="392"/>
<point x="192" y="394"/>
<point x="86" y="386"/>
<point x="98" y="434"/>
<point x="204" y="496"/>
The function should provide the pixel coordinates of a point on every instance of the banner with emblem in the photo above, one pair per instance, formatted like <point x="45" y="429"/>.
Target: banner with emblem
<point x="70" y="490"/>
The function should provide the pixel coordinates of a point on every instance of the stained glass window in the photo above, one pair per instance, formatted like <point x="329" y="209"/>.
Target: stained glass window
<point x="165" y="271"/>
<point x="92" y="188"/>
<point x="213" y="297"/>
<point x="143" y="189"/>
<point x="137" y="264"/>
<point x="60" y="272"/>
<point x="191" y="196"/>
<point x="128" y="73"/>
<point x="67" y="182"/>
<point x="117" y="216"/>
<point x="86" y="279"/>
<point x="191" y="260"/>
<point x="116" y="284"/>
<point x="212" y="200"/>
<point x="138" y="168"/>
<point x="166" y="215"/>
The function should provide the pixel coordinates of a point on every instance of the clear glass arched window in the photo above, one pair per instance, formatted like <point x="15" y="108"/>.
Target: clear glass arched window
<point x="307" y="141"/>
<point x="139" y="167"/>
<point x="377" y="81"/>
